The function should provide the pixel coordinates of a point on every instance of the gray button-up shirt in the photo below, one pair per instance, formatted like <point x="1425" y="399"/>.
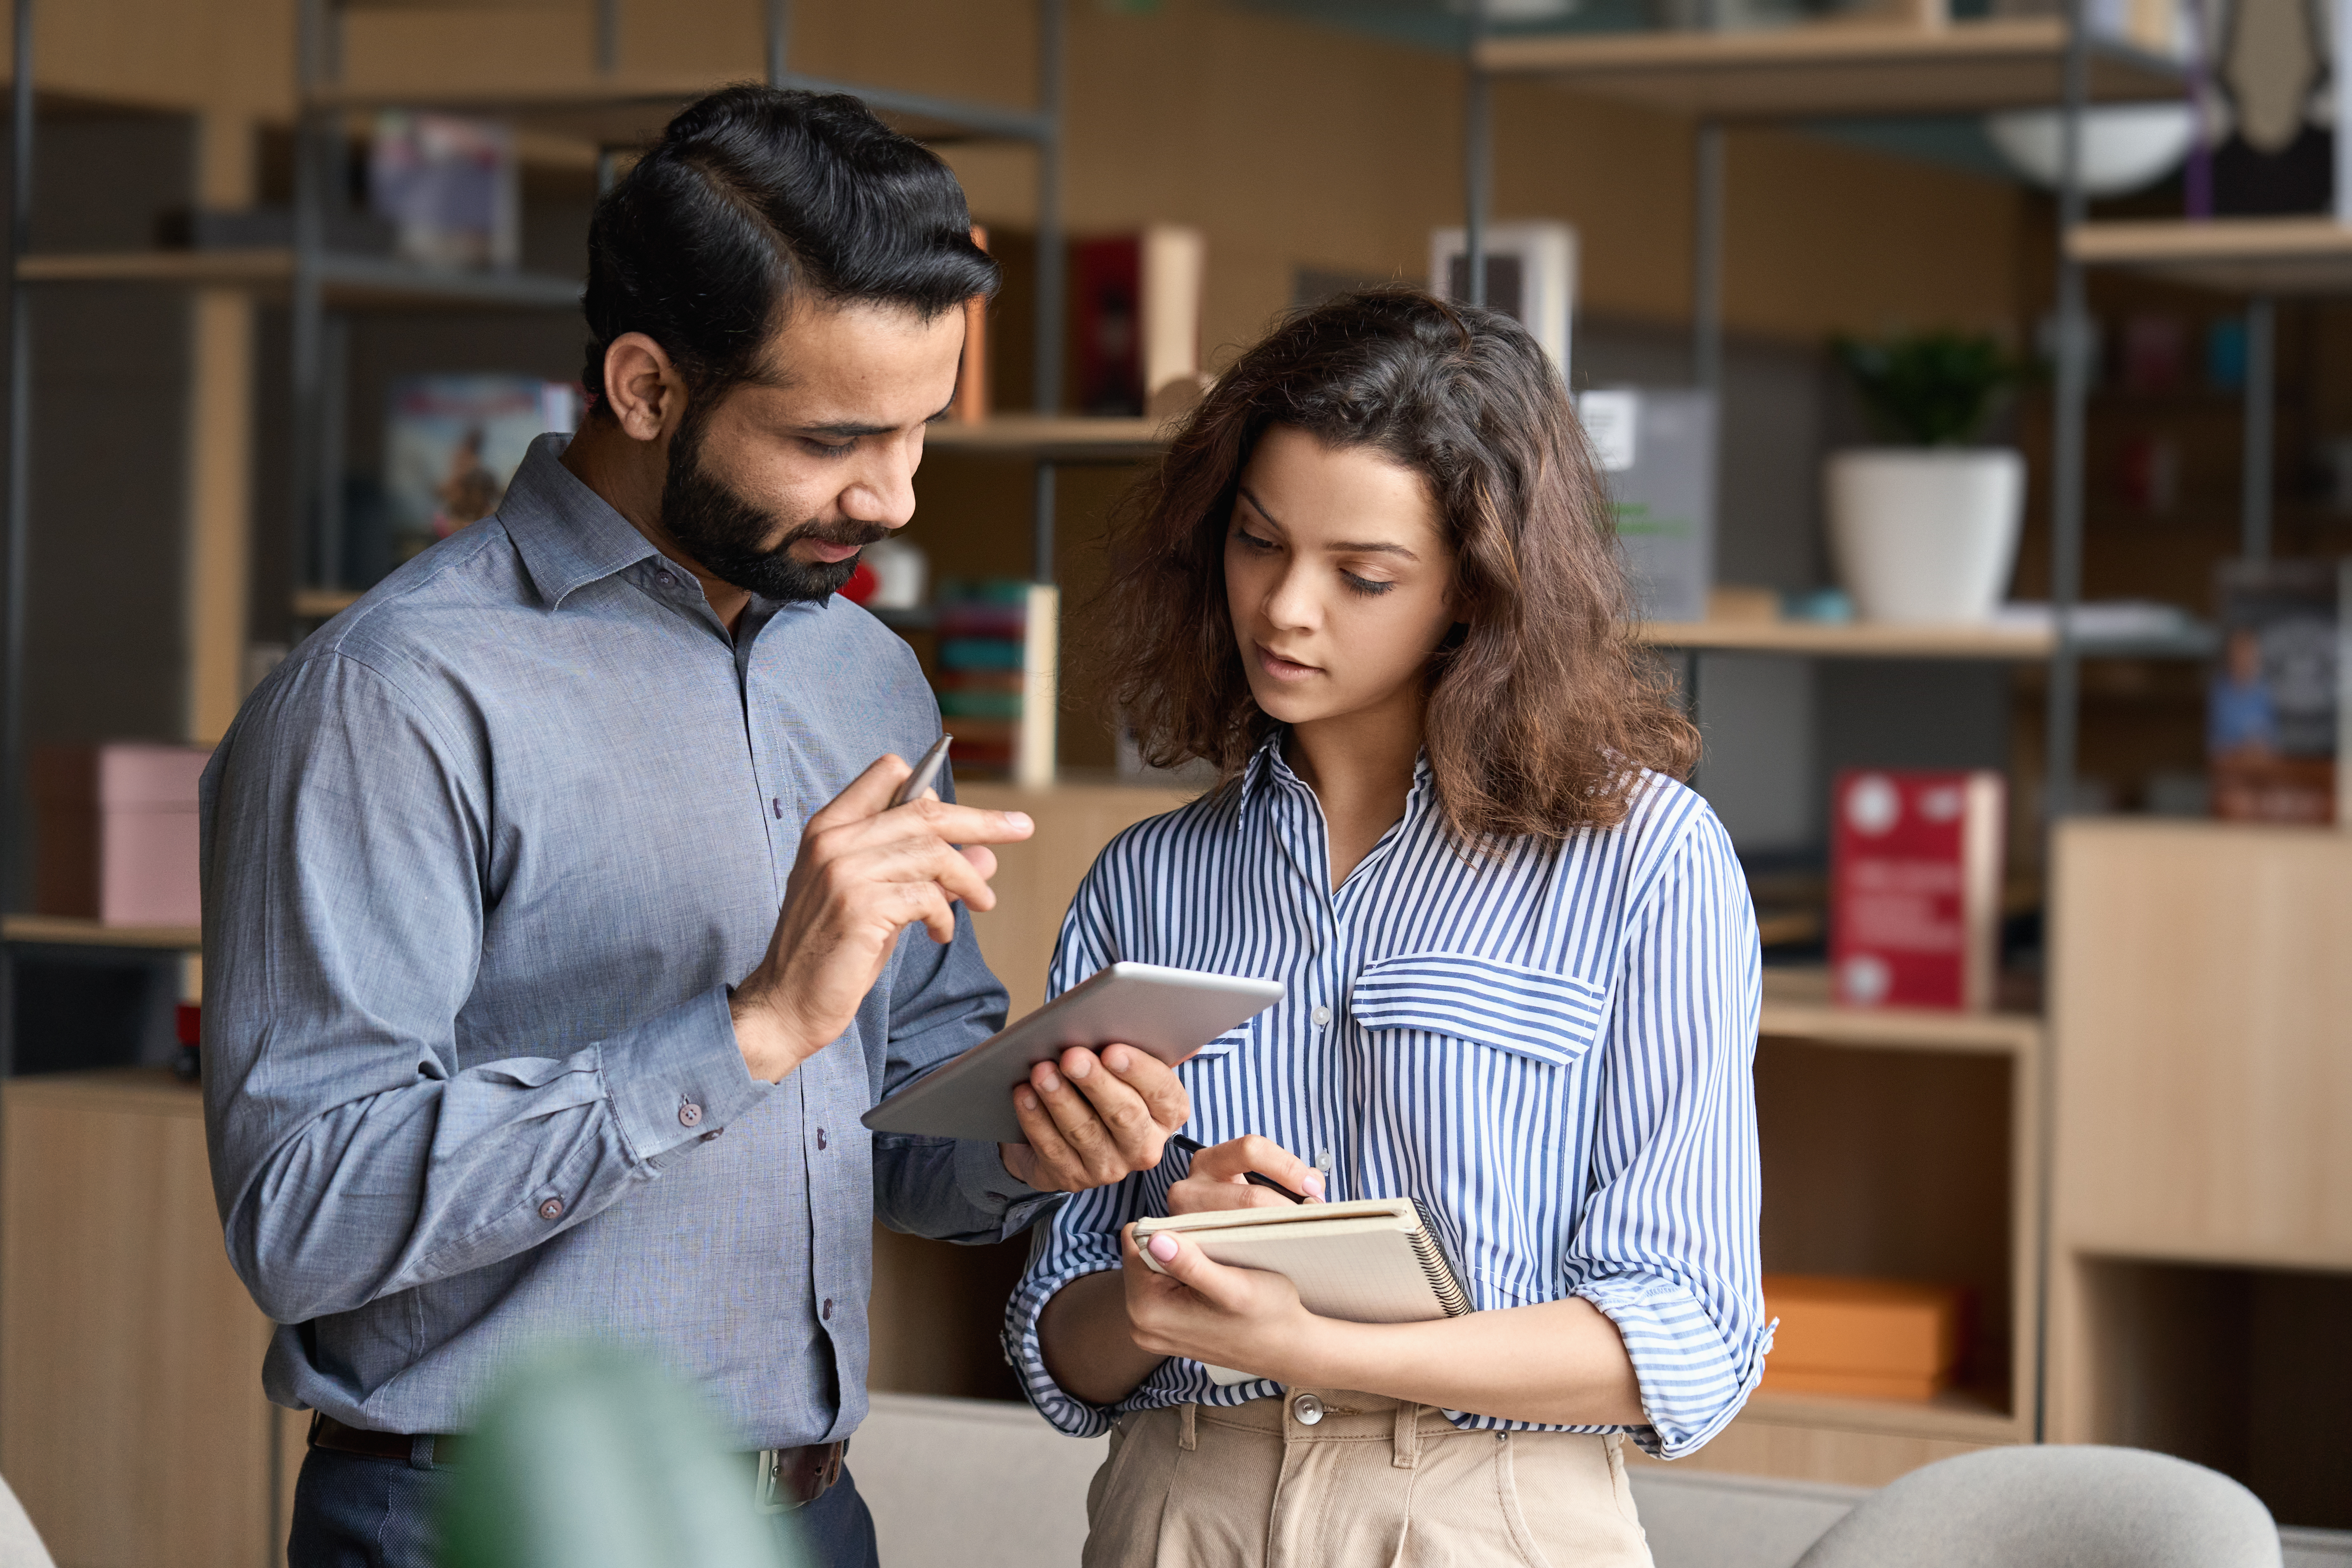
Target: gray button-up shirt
<point x="480" y="860"/>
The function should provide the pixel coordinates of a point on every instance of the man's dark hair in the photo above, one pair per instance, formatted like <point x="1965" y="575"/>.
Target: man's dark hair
<point x="753" y="197"/>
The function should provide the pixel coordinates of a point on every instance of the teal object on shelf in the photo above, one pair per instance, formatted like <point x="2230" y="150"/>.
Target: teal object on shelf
<point x="589" y="1459"/>
<point x="980" y="653"/>
<point x="980" y="704"/>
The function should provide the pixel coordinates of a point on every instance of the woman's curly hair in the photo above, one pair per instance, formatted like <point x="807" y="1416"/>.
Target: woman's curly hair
<point x="1542" y="708"/>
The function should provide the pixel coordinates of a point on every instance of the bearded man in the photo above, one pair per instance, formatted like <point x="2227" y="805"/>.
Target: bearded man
<point x="554" y="894"/>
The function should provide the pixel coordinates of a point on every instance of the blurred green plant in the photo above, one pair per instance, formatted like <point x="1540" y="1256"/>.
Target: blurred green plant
<point x="587" y="1459"/>
<point x="1930" y="389"/>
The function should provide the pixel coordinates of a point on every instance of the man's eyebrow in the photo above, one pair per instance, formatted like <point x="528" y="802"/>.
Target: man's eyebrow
<point x="846" y="430"/>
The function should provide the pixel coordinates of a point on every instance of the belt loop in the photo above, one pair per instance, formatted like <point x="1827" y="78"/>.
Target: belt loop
<point x="1187" y="1439"/>
<point x="420" y="1451"/>
<point x="1407" y="1454"/>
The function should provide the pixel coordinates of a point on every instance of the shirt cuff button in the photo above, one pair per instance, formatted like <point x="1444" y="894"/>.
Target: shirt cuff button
<point x="552" y="1209"/>
<point x="690" y="1115"/>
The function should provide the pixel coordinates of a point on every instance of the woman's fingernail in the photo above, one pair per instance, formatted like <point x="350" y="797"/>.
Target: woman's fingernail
<point x="1314" y="1184"/>
<point x="1163" y="1246"/>
<point x="1019" y="819"/>
<point x="1052" y="1082"/>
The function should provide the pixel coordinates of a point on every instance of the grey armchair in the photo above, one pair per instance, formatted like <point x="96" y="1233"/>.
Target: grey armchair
<point x="2054" y="1507"/>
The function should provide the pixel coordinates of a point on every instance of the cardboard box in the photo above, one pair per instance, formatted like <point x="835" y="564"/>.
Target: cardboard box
<point x="117" y="828"/>
<point x="1864" y="1339"/>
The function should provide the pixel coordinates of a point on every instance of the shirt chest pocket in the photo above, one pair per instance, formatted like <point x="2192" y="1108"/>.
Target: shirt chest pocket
<point x="1534" y="1012"/>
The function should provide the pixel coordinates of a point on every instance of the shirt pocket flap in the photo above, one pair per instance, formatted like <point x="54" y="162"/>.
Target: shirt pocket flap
<point x="1223" y="1045"/>
<point x="1533" y="1011"/>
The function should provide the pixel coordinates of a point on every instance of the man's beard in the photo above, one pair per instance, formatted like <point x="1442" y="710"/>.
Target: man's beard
<point x="722" y="532"/>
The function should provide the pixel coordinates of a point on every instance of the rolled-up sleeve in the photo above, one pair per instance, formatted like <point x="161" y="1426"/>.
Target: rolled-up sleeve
<point x="345" y="855"/>
<point x="1667" y="1246"/>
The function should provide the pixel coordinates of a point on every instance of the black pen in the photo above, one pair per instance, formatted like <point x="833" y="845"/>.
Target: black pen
<point x="1194" y="1146"/>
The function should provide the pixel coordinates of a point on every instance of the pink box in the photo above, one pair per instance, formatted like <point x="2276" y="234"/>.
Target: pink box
<point x="118" y="831"/>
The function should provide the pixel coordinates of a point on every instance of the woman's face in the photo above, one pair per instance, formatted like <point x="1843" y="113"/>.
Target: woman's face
<point x="1338" y="578"/>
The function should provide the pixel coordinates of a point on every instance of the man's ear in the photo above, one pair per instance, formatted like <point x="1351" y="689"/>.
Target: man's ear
<point x="642" y="387"/>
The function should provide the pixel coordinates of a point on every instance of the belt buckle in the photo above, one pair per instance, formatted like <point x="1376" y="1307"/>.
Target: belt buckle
<point x="769" y="1492"/>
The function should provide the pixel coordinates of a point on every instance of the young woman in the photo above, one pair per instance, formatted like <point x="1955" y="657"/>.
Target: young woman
<point x="1375" y="584"/>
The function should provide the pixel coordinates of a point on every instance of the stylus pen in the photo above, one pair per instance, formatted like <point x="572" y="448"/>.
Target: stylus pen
<point x="1194" y="1146"/>
<point x="925" y="773"/>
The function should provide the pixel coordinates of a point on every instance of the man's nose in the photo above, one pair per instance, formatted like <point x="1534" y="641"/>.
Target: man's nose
<point x="884" y="492"/>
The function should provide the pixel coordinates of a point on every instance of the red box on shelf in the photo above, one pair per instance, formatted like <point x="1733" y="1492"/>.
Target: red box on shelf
<point x="1915" y="888"/>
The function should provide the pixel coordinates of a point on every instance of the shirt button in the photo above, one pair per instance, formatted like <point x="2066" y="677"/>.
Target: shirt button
<point x="664" y="579"/>
<point x="690" y="1115"/>
<point x="776" y="804"/>
<point x="1322" y="1017"/>
<point x="552" y="1209"/>
<point x="825" y="1312"/>
<point x="1306" y="1409"/>
<point x="820" y="1137"/>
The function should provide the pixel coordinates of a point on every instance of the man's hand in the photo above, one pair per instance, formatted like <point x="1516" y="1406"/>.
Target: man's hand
<point x="1095" y="1120"/>
<point x="1219" y="1178"/>
<point x="864" y="869"/>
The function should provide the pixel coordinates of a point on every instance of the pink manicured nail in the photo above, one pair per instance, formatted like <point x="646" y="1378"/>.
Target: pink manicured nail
<point x="1313" y="1183"/>
<point x="1018" y="820"/>
<point x="1163" y="1246"/>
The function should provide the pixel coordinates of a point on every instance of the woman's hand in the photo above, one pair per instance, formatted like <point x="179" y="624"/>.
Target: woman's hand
<point x="1246" y="1318"/>
<point x="1219" y="1177"/>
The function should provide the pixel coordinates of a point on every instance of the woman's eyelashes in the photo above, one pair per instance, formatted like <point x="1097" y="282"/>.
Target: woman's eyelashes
<point x="1368" y="588"/>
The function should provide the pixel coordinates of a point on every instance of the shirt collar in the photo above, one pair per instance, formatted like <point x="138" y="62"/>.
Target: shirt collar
<point x="567" y="535"/>
<point x="1267" y="768"/>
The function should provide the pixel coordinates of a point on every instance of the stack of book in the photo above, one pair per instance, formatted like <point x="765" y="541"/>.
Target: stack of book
<point x="996" y="666"/>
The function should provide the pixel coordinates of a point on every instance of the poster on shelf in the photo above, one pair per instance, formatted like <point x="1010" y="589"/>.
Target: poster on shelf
<point x="2274" y="711"/>
<point x="451" y="443"/>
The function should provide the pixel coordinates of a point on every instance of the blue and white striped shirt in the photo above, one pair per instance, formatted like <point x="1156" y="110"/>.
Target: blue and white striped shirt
<point x="1549" y="1048"/>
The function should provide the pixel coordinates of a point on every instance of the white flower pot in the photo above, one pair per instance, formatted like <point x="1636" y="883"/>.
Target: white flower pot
<point x="1925" y="533"/>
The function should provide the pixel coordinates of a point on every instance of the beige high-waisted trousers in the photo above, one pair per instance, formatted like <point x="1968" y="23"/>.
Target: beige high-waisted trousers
<point x="1369" y="1483"/>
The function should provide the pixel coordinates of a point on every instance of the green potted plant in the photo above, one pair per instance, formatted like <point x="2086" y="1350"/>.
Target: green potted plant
<point x="1926" y="529"/>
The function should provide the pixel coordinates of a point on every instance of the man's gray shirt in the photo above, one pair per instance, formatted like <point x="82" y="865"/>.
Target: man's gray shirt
<point x="480" y="861"/>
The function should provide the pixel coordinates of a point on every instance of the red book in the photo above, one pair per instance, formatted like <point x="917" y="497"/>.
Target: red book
<point x="1915" y="888"/>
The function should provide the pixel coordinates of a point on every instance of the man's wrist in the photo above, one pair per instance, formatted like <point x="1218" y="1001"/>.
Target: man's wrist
<point x="771" y="1047"/>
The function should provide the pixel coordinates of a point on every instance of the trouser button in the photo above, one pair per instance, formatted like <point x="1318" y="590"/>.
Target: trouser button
<point x="1308" y="1409"/>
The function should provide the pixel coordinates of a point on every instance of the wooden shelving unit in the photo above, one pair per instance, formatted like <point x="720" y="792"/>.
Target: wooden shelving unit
<point x="2270" y="256"/>
<point x="352" y="283"/>
<point x="1878" y="639"/>
<point x="69" y="932"/>
<point x="1060" y="438"/>
<point x="1825" y="70"/>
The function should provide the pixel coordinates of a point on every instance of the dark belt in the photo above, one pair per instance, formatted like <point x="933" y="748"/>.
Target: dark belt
<point x="780" y="1477"/>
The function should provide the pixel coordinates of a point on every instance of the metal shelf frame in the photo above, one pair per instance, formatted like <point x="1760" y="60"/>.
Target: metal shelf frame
<point x="315" y="481"/>
<point x="321" y="285"/>
<point x="2065" y="651"/>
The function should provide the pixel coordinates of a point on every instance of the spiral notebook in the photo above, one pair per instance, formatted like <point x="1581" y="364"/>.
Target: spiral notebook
<point x="1368" y="1261"/>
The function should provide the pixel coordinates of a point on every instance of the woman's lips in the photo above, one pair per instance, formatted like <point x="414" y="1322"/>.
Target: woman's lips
<point x="1282" y="669"/>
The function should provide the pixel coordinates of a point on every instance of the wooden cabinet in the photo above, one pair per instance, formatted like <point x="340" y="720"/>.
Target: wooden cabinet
<point x="132" y="1420"/>
<point x="1896" y="1143"/>
<point x="2202" y="1201"/>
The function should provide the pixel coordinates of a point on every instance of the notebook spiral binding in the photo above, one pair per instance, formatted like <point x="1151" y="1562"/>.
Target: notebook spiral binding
<point x="1442" y="1281"/>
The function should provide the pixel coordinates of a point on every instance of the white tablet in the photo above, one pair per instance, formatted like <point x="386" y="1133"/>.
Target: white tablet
<point x="1171" y="1013"/>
